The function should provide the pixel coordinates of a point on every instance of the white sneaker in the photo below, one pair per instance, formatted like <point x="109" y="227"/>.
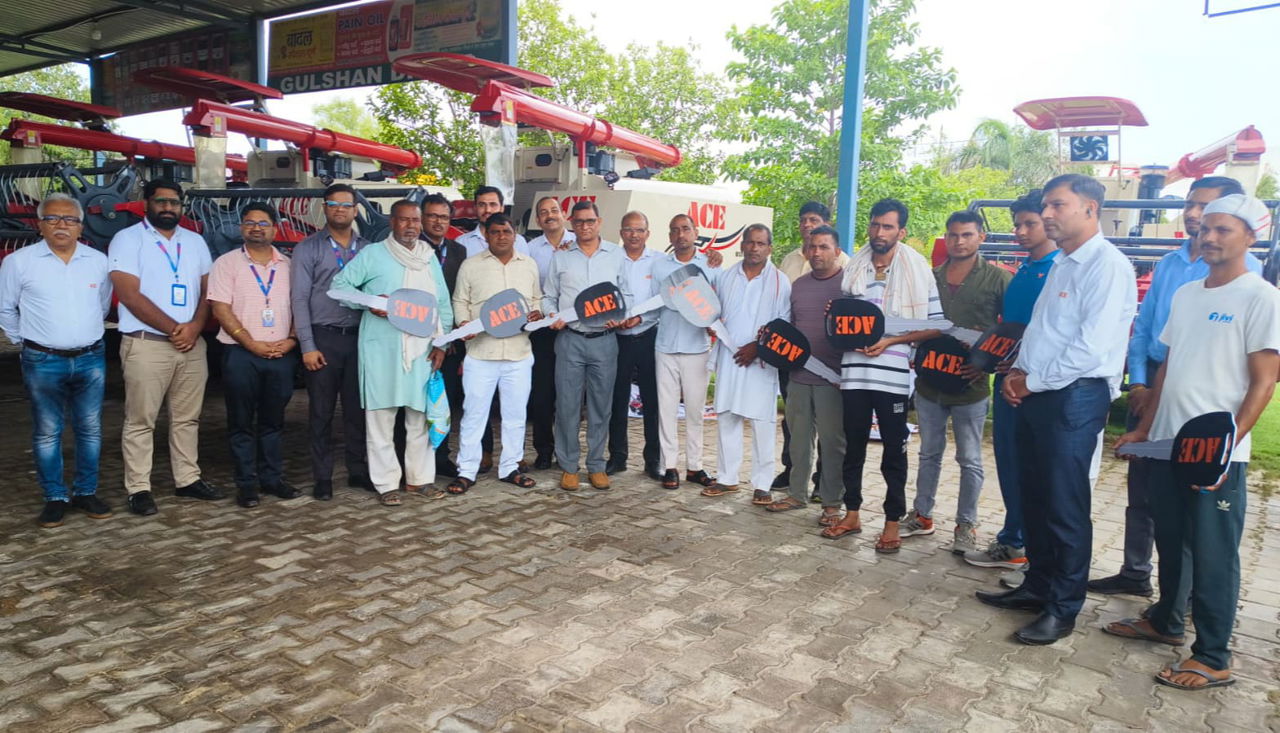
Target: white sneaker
<point x="966" y="539"/>
<point x="998" y="555"/>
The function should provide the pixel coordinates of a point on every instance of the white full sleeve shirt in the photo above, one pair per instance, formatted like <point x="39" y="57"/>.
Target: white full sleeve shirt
<point x="1080" y="325"/>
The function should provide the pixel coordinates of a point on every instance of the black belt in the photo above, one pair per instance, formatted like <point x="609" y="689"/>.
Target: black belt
<point x="344" y="330"/>
<point x="647" y="333"/>
<point x="591" y="334"/>
<point x="65" y="353"/>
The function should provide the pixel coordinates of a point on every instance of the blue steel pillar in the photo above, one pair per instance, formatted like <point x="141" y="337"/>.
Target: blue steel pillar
<point x="855" y="68"/>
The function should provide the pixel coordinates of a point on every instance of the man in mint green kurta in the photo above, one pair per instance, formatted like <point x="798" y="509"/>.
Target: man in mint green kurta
<point x="395" y="367"/>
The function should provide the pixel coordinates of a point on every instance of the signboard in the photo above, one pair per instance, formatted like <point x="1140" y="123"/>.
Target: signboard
<point x="355" y="46"/>
<point x="227" y="52"/>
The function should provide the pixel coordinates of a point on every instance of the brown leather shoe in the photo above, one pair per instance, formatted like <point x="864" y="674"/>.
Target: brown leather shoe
<point x="569" y="481"/>
<point x="599" y="481"/>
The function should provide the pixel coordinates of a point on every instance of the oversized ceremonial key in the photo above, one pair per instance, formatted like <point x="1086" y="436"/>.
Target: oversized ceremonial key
<point x="1200" y="452"/>
<point x="667" y="288"/>
<point x="412" y="311"/>
<point x="782" y="345"/>
<point x="854" y="323"/>
<point x="503" y="315"/>
<point x="595" y="305"/>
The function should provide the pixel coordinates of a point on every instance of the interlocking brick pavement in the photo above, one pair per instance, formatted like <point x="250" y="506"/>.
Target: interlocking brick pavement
<point x="633" y="610"/>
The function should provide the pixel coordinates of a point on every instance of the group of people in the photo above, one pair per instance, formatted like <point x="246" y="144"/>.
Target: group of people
<point x="1074" y="291"/>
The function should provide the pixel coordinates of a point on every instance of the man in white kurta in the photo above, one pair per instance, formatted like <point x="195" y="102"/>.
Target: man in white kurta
<point x="752" y="293"/>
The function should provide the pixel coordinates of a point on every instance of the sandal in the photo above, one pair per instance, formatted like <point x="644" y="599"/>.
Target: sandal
<point x="836" y="531"/>
<point x="1165" y="677"/>
<point x="786" y="505"/>
<point x="391" y="498"/>
<point x="1129" y="629"/>
<point x="719" y="490"/>
<point x="429" y="491"/>
<point x="460" y="486"/>
<point x="519" y="479"/>
<point x="830" y="519"/>
<point x="762" y="497"/>
<point x="888" y="547"/>
<point x="698" y="477"/>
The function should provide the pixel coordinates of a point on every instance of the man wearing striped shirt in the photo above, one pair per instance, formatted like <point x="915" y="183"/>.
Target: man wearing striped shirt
<point x="877" y="379"/>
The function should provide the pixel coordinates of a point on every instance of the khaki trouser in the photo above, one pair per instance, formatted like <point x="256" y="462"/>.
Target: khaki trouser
<point x="681" y="376"/>
<point x="154" y="371"/>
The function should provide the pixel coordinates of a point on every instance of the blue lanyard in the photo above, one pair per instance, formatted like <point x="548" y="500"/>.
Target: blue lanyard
<point x="337" y="252"/>
<point x="173" y="261"/>
<point x="265" y="288"/>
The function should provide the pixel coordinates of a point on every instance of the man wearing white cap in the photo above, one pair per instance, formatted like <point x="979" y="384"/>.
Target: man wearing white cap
<point x="1234" y="316"/>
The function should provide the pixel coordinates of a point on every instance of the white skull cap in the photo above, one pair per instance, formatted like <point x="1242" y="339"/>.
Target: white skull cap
<point x="1250" y="210"/>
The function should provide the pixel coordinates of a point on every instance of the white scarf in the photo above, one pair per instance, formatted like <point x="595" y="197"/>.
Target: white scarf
<point x="906" y="288"/>
<point x="417" y="276"/>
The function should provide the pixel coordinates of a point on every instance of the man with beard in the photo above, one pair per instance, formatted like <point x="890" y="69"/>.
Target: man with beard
<point x="160" y="271"/>
<point x="635" y="350"/>
<point x="1066" y="375"/>
<point x="542" y="398"/>
<point x="488" y="201"/>
<point x="395" y="366"/>
<point x="1146" y="354"/>
<point x="328" y="337"/>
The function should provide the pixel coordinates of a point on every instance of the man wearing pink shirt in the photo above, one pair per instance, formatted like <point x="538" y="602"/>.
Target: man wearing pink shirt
<point x="249" y="293"/>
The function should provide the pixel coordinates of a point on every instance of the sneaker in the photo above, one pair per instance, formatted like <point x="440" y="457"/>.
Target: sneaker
<point x="915" y="525"/>
<point x="1014" y="578"/>
<point x="93" y="506"/>
<point x="52" y="514"/>
<point x="142" y="504"/>
<point x="202" y="490"/>
<point x="997" y="556"/>
<point x="966" y="539"/>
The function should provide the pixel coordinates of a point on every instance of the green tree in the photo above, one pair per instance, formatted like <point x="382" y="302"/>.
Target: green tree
<point x="65" y="82"/>
<point x="790" y="98"/>
<point x="347" y="116"/>
<point x="1267" y="187"/>
<point x="1030" y="156"/>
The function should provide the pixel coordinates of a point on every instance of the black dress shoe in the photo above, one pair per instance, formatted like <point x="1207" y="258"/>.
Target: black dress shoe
<point x="142" y="504"/>
<point x="542" y="463"/>
<point x="202" y="490"/>
<point x="361" y="482"/>
<point x="93" y="506"/>
<point x="52" y="514"/>
<point x="1046" y="629"/>
<point x="247" y="498"/>
<point x="1013" y="600"/>
<point x="447" y="468"/>
<point x="653" y="471"/>
<point x="614" y="467"/>
<point x="283" y="490"/>
<point x="323" y="490"/>
<point x="1117" y="584"/>
<point x="782" y="480"/>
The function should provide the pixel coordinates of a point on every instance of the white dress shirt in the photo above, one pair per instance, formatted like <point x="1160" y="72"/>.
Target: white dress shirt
<point x="54" y="303"/>
<point x="475" y="242"/>
<point x="1080" y="325"/>
<point x="639" y="276"/>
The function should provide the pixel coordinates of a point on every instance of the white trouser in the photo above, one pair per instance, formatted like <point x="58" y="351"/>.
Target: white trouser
<point x="764" y="435"/>
<point x="419" y="457"/>
<point x="681" y="377"/>
<point x="480" y="377"/>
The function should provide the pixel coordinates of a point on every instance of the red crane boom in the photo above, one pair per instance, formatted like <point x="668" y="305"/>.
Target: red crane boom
<point x="28" y="133"/>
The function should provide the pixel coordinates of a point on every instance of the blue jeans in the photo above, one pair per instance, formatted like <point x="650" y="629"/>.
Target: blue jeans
<point x="967" y="422"/>
<point x="1004" y="443"/>
<point x="54" y="382"/>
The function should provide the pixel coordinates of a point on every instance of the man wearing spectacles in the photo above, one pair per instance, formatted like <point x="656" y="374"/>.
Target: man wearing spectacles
<point x="53" y="297"/>
<point x="555" y="237"/>
<point x="249" y="290"/>
<point x="328" y="335"/>
<point x="488" y="201"/>
<point x="160" y="271"/>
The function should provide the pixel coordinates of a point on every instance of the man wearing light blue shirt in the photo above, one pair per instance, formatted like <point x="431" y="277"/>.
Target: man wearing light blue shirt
<point x="1066" y="375"/>
<point x="1146" y="354"/>
<point x="635" y="350"/>
<point x="53" y="297"/>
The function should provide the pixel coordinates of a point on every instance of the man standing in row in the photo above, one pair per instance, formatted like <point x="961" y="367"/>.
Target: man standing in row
<point x="635" y="350"/>
<point x="492" y="363"/>
<point x="972" y="293"/>
<point x="53" y="296"/>
<point x="586" y="357"/>
<point x="542" y="400"/>
<point x="488" y="201"/>
<point x="682" y="359"/>
<point x="395" y="366"/>
<point x="1067" y="373"/>
<point x="160" y="272"/>
<point x="249" y="290"/>
<point x="327" y="336"/>
<point x="752" y="293"/>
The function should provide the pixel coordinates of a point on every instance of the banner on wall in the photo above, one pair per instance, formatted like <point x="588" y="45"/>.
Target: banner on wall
<point x="230" y="53"/>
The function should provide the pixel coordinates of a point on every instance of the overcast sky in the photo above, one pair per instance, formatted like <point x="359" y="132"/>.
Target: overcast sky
<point x="1196" y="79"/>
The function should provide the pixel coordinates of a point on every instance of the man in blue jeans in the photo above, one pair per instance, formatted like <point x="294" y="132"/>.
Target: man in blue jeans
<point x="1007" y="550"/>
<point x="1064" y="379"/>
<point x="53" y="297"/>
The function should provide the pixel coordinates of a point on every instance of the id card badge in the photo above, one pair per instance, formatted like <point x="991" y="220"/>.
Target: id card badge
<point x="178" y="294"/>
<point x="268" y="318"/>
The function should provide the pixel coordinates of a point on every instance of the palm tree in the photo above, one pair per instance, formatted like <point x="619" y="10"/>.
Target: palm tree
<point x="1031" y="157"/>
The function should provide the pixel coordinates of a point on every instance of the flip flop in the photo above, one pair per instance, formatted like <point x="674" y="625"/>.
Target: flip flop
<point x="836" y="531"/>
<point x="1129" y="629"/>
<point x="888" y="547"/>
<point x="519" y="479"/>
<point x="391" y="498"/>
<point x="460" y="486"/>
<point x="428" y="491"/>
<point x="1210" y="681"/>
<point x="762" y="498"/>
<point x="718" y="490"/>
<point x="786" y="505"/>
<point x="830" y="519"/>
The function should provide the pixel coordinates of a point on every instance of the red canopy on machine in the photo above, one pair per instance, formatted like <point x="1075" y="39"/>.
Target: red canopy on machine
<point x="1052" y="114"/>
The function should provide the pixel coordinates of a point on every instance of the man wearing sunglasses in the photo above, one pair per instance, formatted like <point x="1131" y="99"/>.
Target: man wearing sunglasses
<point x="159" y="271"/>
<point x="328" y="335"/>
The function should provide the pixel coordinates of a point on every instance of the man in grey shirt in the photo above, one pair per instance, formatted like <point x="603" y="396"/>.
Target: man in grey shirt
<point x="327" y="334"/>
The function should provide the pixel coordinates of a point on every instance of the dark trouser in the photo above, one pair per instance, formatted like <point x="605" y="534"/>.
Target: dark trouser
<point x="635" y="355"/>
<point x="891" y="416"/>
<point x="784" y="379"/>
<point x="1198" y="537"/>
<point x="542" y="396"/>
<point x="257" y="391"/>
<point x="1139" y="528"/>
<point x="340" y="377"/>
<point x="451" y="372"/>
<point x="1004" y="443"/>
<point x="1057" y="435"/>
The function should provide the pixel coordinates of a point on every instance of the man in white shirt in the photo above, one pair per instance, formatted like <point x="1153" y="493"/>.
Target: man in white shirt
<point x="1065" y="377"/>
<point x="1234" y="315"/>
<point x="160" y="273"/>
<point x="555" y="237"/>
<point x="53" y="297"/>
<point x="488" y="201"/>
<point x="635" y="350"/>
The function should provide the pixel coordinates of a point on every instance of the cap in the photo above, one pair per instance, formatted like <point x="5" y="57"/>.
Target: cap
<point x="1253" y="212"/>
